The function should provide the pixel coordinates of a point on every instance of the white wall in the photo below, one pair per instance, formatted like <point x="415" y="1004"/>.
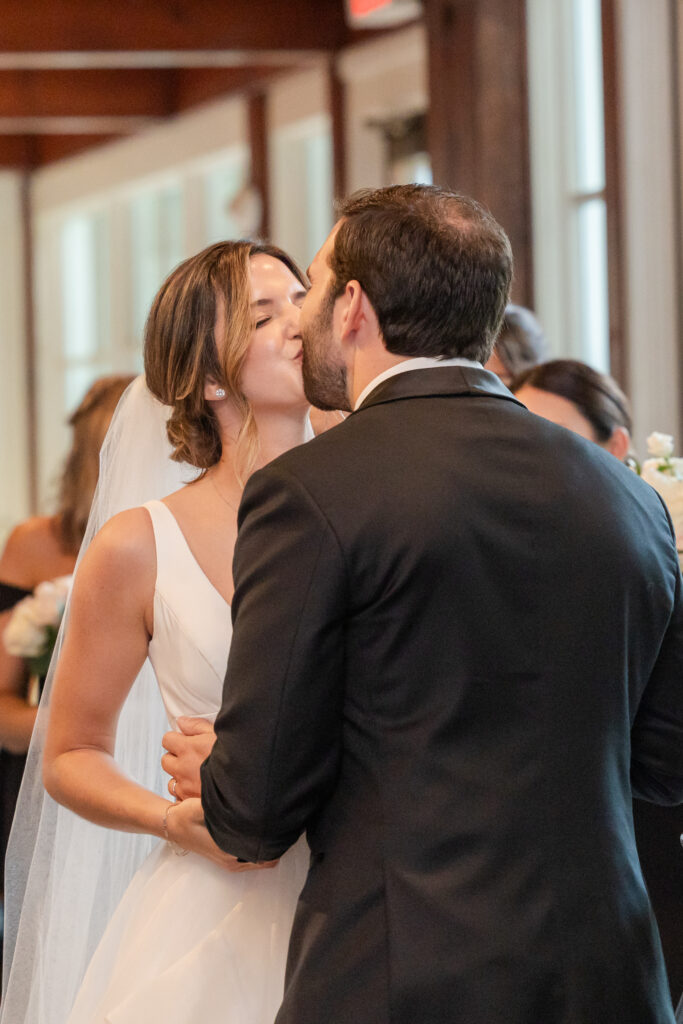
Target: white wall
<point x="550" y="140"/>
<point x="300" y="162"/>
<point x="155" y="152"/>
<point x="384" y="78"/>
<point x="14" y="489"/>
<point x="652" y="288"/>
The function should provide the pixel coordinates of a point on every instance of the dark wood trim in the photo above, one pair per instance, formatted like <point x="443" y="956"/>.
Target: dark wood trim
<point x="527" y="253"/>
<point x="198" y="85"/>
<point x="338" y="115"/>
<point x="451" y="31"/>
<point x="30" y="347"/>
<point x="616" y="250"/>
<point x="88" y="92"/>
<point x="258" y="143"/>
<point x="84" y="25"/>
<point x="478" y="113"/>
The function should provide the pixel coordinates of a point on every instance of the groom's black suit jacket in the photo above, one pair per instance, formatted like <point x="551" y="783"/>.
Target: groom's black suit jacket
<point x="458" y="644"/>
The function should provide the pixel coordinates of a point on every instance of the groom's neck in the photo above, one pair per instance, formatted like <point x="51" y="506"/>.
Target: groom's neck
<point x="367" y="365"/>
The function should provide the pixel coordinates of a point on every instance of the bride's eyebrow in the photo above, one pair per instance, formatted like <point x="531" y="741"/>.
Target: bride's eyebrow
<point x="259" y="303"/>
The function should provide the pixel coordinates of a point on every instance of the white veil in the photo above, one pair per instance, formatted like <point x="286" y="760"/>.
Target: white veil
<point x="65" y="876"/>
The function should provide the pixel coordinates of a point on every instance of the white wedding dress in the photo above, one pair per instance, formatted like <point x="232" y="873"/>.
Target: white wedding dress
<point x="191" y="942"/>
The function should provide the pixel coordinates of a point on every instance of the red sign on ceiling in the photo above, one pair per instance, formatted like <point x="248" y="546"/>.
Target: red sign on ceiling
<point x="361" y="7"/>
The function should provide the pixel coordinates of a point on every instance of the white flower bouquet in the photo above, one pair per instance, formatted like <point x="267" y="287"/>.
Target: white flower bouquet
<point x="32" y="629"/>
<point x="660" y="447"/>
<point x="664" y="471"/>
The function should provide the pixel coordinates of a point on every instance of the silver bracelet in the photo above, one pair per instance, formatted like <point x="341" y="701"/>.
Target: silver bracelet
<point x="179" y="850"/>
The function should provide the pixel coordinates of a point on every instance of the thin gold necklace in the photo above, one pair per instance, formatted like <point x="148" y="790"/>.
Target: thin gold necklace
<point x="222" y="496"/>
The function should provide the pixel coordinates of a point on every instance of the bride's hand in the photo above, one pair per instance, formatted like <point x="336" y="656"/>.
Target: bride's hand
<point x="185" y="827"/>
<point x="186" y="750"/>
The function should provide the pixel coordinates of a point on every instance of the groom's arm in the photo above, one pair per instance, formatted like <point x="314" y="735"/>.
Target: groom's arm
<point x="278" y="731"/>
<point x="657" y="733"/>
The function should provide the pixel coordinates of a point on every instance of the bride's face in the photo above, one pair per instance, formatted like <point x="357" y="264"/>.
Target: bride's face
<point x="271" y="374"/>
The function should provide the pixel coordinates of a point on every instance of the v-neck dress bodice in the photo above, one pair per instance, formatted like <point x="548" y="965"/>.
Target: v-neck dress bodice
<point x="192" y="625"/>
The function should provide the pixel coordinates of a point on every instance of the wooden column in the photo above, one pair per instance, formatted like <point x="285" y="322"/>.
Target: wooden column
<point x="338" y="116"/>
<point x="618" y="337"/>
<point x="677" y="50"/>
<point x="478" y="114"/>
<point x="258" y="142"/>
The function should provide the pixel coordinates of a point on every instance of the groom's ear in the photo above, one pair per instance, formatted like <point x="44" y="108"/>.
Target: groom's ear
<point x="358" y="318"/>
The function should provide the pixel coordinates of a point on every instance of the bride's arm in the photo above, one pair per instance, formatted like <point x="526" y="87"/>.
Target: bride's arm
<point x="106" y="643"/>
<point x="104" y="648"/>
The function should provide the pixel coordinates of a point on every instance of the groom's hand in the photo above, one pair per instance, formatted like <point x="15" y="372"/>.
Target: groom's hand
<point x="186" y="751"/>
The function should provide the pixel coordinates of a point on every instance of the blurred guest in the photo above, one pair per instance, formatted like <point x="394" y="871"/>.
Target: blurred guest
<point x="592" y="404"/>
<point x="521" y="344"/>
<point x="39" y="549"/>
<point x="576" y="396"/>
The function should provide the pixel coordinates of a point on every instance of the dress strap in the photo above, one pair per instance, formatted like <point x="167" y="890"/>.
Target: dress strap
<point x="174" y="559"/>
<point x="177" y="566"/>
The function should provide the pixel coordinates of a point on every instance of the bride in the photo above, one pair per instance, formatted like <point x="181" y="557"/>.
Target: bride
<point x="198" y="935"/>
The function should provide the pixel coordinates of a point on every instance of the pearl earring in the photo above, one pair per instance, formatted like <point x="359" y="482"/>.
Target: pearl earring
<point x="220" y="392"/>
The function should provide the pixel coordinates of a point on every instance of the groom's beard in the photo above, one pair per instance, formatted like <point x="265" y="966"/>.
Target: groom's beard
<point x="325" y="379"/>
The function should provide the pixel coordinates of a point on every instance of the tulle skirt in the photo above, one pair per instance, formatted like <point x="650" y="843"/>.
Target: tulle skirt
<point x="190" y="942"/>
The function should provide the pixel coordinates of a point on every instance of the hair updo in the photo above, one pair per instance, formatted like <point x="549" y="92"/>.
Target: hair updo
<point x="181" y="350"/>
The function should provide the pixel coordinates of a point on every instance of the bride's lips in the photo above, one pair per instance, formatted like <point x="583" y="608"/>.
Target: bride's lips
<point x="299" y="356"/>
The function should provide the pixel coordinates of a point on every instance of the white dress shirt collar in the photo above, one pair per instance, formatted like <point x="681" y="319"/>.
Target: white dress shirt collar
<point x="419" y="363"/>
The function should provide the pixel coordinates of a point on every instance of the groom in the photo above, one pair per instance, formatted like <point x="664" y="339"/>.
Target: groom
<point x="458" y="648"/>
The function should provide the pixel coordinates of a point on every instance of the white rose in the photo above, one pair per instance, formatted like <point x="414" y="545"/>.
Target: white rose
<point x="49" y="599"/>
<point x="660" y="446"/>
<point x="24" y="636"/>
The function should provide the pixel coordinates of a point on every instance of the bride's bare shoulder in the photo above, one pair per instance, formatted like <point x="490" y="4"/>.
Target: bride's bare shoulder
<point x="123" y="551"/>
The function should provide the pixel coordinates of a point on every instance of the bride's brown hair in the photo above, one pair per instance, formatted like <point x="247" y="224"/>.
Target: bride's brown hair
<point x="181" y="350"/>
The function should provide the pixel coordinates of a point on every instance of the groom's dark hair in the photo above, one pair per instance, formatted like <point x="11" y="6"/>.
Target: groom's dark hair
<point x="435" y="265"/>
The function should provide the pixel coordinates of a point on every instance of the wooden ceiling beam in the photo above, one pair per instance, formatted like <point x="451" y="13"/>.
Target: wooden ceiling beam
<point x="48" y="115"/>
<point x="89" y="93"/>
<point x="47" y="148"/>
<point x="15" y="152"/>
<point x="92" y="25"/>
<point x="27" y="152"/>
<point x="197" y="85"/>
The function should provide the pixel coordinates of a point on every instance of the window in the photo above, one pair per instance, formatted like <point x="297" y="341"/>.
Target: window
<point x="223" y="184"/>
<point x="302" y="186"/>
<point x="589" y="214"/>
<point x="568" y="177"/>
<point x="85" y="303"/>
<point x="157" y="246"/>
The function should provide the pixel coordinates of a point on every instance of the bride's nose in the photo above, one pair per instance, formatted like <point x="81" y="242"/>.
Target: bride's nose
<point x="293" y="314"/>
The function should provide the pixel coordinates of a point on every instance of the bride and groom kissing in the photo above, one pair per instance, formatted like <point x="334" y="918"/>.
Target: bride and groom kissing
<point x="457" y="644"/>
